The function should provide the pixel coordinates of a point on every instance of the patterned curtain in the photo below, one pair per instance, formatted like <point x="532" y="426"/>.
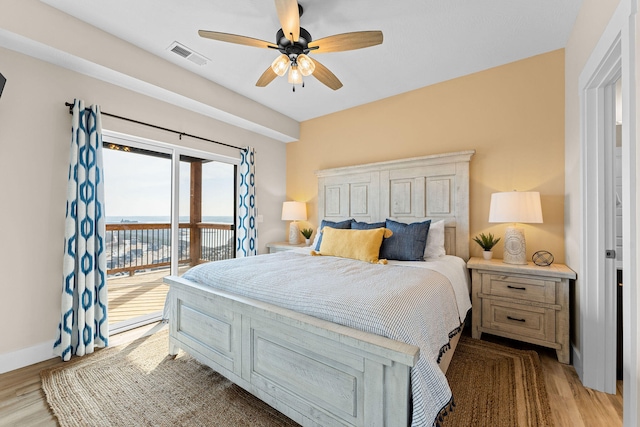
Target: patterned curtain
<point x="83" y="320"/>
<point x="247" y="229"/>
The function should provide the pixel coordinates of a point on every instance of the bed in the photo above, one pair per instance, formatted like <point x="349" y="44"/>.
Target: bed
<point x="324" y="369"/>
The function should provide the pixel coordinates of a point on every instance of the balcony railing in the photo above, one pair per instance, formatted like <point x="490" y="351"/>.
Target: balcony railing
<point x="135" y="247"/>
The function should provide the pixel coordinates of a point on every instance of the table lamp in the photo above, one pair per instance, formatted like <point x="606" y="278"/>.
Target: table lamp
<point x="294" y="211"/>
<point x="515" y="207"/>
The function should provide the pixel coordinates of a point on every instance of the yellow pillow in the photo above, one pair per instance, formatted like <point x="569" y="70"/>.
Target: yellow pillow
<point x="363" y="245"/>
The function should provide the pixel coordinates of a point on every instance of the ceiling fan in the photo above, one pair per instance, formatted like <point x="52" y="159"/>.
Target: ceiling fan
<point x="295" y="43"/>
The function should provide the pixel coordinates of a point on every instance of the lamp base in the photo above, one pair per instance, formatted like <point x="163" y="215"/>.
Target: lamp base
<point x="294" y="233"/>
<point x="514" y="246"/>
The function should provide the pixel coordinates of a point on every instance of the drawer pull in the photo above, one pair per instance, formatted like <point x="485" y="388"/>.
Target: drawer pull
<point x="517" y="320"/>
<point x="516" y="287"/>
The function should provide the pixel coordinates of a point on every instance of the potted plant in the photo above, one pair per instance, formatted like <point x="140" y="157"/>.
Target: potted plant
<point x="486" y="242"/>
<point x="307" y="232"/>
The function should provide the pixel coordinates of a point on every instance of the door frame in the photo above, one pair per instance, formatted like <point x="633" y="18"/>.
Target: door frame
<point x="614" y="55"/>
<point x="598" y="227"/>
<point x="174" y="151"/>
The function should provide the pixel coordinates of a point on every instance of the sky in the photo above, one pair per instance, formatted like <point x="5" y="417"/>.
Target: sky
<point x="140" y="185"/>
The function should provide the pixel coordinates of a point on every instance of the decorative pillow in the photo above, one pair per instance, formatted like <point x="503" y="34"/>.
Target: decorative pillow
<point x="363" y="245"/>
<point x="346" y="224"/>
<point x="407" y="242"/>
<point x="355" y="225"/>
<point x="435" y="240"/>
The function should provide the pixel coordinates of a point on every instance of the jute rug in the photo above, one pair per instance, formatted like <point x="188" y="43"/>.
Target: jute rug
<point x="496" y="386"/>
<point x="138" y="384"/>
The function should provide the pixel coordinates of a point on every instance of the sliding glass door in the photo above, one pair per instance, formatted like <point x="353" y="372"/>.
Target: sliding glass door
<point x="207" y="210"/>
<point x="167" y="210"/>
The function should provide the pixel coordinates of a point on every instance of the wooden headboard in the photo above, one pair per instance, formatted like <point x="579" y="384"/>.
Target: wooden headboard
<point x="408" y="190"/>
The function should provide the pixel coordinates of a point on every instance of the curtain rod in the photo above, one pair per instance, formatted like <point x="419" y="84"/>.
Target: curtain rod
<point x="70" y="105"/>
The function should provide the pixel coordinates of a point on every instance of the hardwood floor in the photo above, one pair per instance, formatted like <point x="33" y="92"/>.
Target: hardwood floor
<point x="572" y="405"/>
<point x="22" y="402"/>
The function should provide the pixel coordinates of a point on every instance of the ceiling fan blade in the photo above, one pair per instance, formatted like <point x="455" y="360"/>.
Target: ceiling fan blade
<point x="347" y="41"/>
<point x="325" y="76"/>
<point x="266" y="77"/>
<point x="289" y="17"/>
<point x="232" y="38"/>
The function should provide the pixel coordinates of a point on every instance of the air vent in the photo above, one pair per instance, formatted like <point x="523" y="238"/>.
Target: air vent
<point x="181" y="51"/>
<point x="185" y="52"/>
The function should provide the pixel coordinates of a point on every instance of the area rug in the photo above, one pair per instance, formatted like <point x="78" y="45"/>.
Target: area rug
<point x="494" y="385"/>
<point x="138" y="384"/>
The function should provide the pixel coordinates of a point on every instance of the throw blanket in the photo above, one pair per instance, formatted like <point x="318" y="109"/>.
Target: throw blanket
<point x="412" y="305"/>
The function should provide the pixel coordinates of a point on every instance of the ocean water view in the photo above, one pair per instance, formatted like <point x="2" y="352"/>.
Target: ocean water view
<point x="166" y="219"/>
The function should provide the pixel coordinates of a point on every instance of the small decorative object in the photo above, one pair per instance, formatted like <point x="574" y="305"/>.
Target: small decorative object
<point x="486" y="242"/>
<point x="543" y="258"/>
<point x="307" y="232"/>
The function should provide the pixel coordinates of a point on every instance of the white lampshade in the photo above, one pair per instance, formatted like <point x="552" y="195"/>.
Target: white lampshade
<point x="305" y="65"/>
<point x="294" y="211"/>
<point x="516" y="206"/>
<point x="280" y="64"/>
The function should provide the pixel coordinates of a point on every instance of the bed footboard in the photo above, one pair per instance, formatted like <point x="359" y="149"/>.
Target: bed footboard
<point x="316" y="372"/>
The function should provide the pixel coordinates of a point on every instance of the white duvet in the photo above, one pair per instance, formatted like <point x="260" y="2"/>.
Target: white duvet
<point x="420" y="303"/>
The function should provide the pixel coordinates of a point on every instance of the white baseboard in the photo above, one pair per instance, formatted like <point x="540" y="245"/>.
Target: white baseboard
<point x="577" y="361"/>
<point x="26" y="356"/>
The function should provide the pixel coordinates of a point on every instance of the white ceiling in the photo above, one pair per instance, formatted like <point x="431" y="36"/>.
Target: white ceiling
<point x="425" y="41"/>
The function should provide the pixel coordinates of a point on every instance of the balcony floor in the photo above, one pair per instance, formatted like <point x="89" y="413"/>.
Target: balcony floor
<point x="137" y="295"/>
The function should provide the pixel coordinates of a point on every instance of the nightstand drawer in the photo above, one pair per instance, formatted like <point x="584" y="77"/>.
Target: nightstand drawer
<point x="519" y="319"/>
<point x="522" y="288"/>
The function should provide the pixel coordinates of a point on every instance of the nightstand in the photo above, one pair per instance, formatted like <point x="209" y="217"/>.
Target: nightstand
<point x="523" y="302"/>
<point x="282" y="246"/>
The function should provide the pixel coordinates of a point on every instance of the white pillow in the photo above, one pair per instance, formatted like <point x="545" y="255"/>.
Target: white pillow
<point x="435" y="240"/>
<point x="314" y="245"/>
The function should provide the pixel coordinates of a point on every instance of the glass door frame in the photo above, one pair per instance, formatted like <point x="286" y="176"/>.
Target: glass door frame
<point x="175" y="152"/>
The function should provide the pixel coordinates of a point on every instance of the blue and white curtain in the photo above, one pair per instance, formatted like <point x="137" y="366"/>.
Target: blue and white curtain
<point x="83" y="320"/>
<point x="247" y="232"/>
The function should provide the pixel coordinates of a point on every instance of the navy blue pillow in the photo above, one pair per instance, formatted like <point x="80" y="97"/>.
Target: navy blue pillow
<point x="346" y="224"/>
<point x="355" y="225"/>
<point x="407" y="242"/>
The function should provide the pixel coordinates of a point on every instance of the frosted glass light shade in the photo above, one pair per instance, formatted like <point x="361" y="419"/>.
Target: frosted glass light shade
<point x="516" y="206"/>
<point x="295" y="77"/>
<point x="280" y="65"/>
<point x="305" y="65"/>
<point x="294" y="211"/>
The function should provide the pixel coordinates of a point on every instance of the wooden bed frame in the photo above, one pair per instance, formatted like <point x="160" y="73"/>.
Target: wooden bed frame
<point x="316" y="372"/>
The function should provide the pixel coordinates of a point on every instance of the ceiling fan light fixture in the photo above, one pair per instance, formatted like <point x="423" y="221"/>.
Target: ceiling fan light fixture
<point x="305" y="65"/>
<point x="280" y="65"/>
<point x="295" y="77"/>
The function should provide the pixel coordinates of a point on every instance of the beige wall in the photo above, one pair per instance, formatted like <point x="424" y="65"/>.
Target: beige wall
<point x="512" y="115"/>
<point x="590" y="24"/>
<point x="34" y="145"/>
